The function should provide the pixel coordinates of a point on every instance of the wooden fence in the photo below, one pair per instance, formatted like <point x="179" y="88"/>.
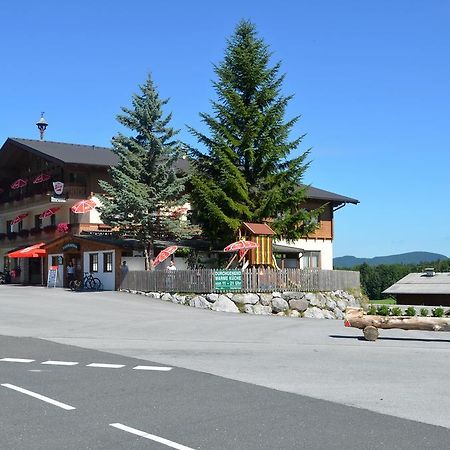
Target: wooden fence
<point x="253" y="280"/>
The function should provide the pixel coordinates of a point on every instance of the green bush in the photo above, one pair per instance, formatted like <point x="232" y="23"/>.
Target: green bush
<point x="424" y="312"/>
<point x="396" y="311"/>
<point x="372" y="310"/>
<point x="410" y="311"/>
<point x="438" y="312"/>
<point x="383" y="310"/>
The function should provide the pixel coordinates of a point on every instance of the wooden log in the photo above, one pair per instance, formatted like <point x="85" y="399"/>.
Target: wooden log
<point x="370" y="333"/>
<point x="355" y="317"/>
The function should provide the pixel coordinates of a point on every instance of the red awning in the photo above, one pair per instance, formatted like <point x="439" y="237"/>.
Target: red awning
<point x="18" y="219"/>
<point x="48" y="212"/>
<point x="33" y="251"/>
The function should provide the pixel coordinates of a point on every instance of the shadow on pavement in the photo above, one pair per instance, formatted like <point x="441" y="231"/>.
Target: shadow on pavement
<point x="361" y="338"/>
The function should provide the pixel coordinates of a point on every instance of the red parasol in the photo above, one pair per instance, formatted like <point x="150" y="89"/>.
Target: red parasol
<point x="49" y="212"/>
<point x="19" y="183"/>
<point x="33" y="251"/>
<point x="19" y="218"/>
<point x="164" y="254"/>
<point x="240" y="245"/>
<point x="41" y="178"/>
<point x="83" y="206"/>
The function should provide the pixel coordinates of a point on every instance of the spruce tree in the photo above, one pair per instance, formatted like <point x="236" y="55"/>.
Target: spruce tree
<point x="246" y="173"/>
<point x="145" y="192"/>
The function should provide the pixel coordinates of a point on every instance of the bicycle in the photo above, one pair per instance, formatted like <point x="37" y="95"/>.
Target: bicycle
<point x="89" y="282"/>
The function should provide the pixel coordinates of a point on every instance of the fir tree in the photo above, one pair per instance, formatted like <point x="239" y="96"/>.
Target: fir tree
<point x="145" y="192"/>
<point x="246" y="174"/>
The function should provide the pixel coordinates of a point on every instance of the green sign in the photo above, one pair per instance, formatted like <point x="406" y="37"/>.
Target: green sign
<point x="227" y="280"/>
<point x="70" y="246"/>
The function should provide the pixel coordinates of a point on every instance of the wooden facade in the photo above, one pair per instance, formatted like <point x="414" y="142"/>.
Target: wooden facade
<point x="73" y="248"/>
<point x="325" y="229"/>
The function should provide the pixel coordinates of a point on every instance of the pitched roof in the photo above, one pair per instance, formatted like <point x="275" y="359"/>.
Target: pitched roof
<point x="320" y="194"/>
<point x="420" y="283"/>
<point x="258" y="228"/>
<point x="103" y="156"/>
<point x="66" y="153"/>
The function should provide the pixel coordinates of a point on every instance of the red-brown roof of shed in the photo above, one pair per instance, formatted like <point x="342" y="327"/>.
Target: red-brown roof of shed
<point x="258" y="228"/>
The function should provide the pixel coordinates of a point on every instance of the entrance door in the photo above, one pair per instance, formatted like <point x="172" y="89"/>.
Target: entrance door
<point x="34" y="271"/>
<point x="75" y="259"/>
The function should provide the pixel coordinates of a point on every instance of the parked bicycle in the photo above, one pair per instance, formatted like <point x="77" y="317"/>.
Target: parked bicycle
<point x="89" y="282"/>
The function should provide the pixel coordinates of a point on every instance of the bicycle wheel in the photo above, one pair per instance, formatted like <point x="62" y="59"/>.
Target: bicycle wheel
<point x="88" y="283"/>
<point x="96" y="284"/>
<point x="75" y="285"/>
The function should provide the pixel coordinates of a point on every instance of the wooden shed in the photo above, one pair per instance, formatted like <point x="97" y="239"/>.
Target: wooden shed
<point x="262" y="234"/>
<point x="101" y="257"/>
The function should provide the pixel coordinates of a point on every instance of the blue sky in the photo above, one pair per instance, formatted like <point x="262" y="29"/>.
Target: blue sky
<point x="371" y="81"/>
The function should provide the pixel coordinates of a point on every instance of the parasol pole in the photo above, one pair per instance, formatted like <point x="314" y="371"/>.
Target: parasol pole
<point x="231" y="261"/>
<point x="243" y="256"/>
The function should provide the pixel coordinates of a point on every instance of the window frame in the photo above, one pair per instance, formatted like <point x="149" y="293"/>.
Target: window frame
<point x="108" y="263"/>
<point x="93" y="262"/>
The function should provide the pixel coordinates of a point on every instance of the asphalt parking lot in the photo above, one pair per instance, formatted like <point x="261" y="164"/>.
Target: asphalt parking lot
<point x="238" y="391"/>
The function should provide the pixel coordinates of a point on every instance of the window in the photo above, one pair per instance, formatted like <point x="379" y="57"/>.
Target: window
<point x="74" y="218"/>
<point x="37" y="221"/>
<point x="57" y="260"/>
<point x="107" y="262"/>
<point x="77" y="178"/>
<point x="93" y="262"/>
<point x="53" y="220"/>
<point x="311" y="260"/>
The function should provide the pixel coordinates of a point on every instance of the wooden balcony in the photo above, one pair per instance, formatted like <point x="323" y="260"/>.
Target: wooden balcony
<point x="25" y="199"/>
<point x="48" y="234"/>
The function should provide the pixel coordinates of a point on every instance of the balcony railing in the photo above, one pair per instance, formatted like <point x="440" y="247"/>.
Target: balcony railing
<point x="28" y="196"/>
<point x="50" y="232"/>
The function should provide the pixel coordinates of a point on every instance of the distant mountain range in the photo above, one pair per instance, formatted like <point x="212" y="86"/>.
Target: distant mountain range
<point x="404" y="258"/>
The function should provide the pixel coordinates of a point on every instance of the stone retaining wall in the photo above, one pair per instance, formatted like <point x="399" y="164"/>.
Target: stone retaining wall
<point x="320" y="305"/>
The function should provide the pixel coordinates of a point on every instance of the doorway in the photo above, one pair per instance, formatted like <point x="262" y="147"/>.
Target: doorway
<point x="74" y="258"/>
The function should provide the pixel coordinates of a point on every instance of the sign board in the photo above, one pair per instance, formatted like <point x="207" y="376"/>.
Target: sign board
<point x="54" y="199"/>
<point x="71" y="246"/>
<point x="58" y="187"/>
<point x="227" y="280"/>
<point x="52" y="277"/>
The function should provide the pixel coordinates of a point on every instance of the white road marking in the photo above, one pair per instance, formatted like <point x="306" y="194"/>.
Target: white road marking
<point x="157" y="368"/>
<point x="60" y="363"/>
<point x="17" y="360"/>
<point x="38" y="396"/>
<point x="150" y="436"/>
<point x="106" y="366"/>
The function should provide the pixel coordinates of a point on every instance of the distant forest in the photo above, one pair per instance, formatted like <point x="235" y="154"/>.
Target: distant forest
<point x="375" y="279"/>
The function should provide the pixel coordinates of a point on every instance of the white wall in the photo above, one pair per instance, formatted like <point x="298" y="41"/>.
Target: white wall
<point x="134" y="262"/>
<point x="93" y="216"/>
<point x="107" y="278"/>
<point x="324" y="246"/>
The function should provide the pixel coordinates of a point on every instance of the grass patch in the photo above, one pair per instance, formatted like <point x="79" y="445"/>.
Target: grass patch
<point x="384" y="301"/>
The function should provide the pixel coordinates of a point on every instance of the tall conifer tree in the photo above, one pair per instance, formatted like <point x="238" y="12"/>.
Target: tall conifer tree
<point x="246" y="174"/>
<point x="145" y="191"/>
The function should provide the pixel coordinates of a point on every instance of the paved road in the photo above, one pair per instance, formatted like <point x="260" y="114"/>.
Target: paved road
<point x="97" y="400"/>
<point x="403" y="374"/>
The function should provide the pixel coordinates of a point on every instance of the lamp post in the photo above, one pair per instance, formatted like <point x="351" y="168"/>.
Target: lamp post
<point x="42" y="125"/>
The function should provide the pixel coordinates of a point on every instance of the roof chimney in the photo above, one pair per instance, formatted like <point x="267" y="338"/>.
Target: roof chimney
<point x="429" y="272"/>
